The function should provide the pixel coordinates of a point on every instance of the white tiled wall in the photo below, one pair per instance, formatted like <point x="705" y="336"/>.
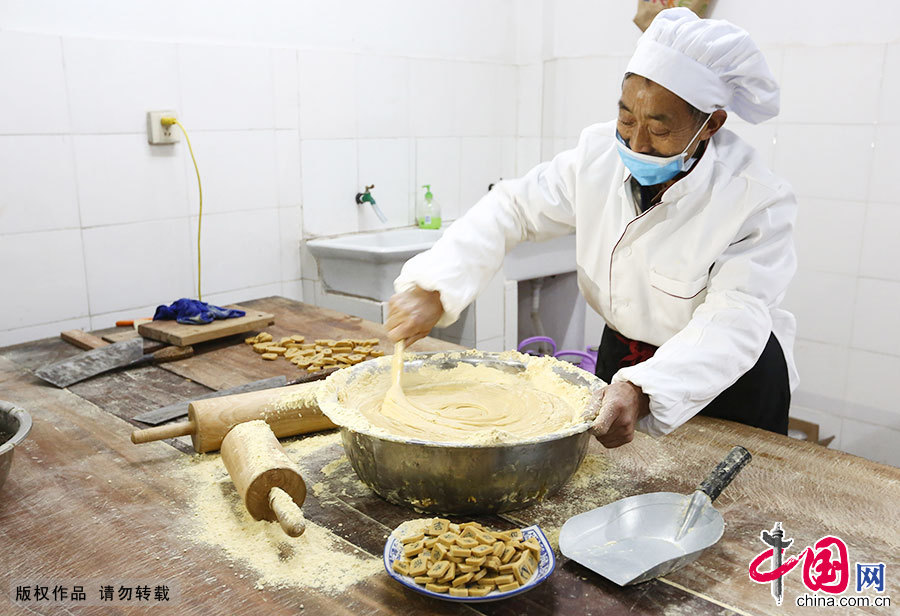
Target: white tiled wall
<point x="291" y="108"/>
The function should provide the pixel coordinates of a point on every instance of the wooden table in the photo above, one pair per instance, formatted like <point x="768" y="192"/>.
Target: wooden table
<point x="82" y="504"/>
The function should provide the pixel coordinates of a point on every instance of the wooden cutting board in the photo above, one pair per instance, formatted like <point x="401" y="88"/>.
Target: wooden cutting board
<point x="180" y="334"/>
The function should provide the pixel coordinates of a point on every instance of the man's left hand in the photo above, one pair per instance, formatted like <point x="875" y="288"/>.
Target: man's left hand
<point x="621" y="405"/>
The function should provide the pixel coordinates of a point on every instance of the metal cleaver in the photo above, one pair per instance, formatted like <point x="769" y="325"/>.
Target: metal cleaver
<point x="128" y="353"/>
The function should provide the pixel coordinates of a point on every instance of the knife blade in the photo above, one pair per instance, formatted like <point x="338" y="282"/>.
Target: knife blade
<point x="179" y="409"/>
<point x="127" y="353"/>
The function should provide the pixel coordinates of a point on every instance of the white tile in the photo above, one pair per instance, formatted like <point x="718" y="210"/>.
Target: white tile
<point x="290" y="227"/>
<point x="490" y="311"/>
<point x="238" y="296"/>
<point x="240" y="250"/>
<point x="491" y="345"/>
<point x="329" y="186"/>
<point x="510" y="314"/>
<point x="237" y="168"/>
<point x="875" y="324"/>
<point x="389" y="27"/>
<point x="890" y="85"/>
<point x="226" y="87"/>
<point x="327" y="95"/>
<point x="847" y="77"/>
<point x="437" y="164"/>
<point x="123" y="179"/>
<point x="309" y="291"/>
<point x="550" y="116"/>
<point x="138" y="264"/>
<point x="108" y="319"/>
<point x="286" y="86"/>
<point x="292" y="289"/>
<point x="432" y="92"/>
<point x="828" y="235"/>
<point x="287" y="157"/>
<point x="354" y="306"/>
<point x="830" y="161"/>
<point x="880" y="249"/>
<point x="309" y="267"/>
<point x="529" y="31"/>
<point x="872" y="442"/>
<point x="385" y="163"/>
<point x="486" y="100"/>
<point x="382" y="96"/>
<point x="823" y="304"/>
<point x="488" y="30"/>
<point x="114" y="83"/>
<point x="528" y="154"/>
<point x="583" y="27"/>
<point x="760" y="136"/>
<point x="529" y="93"/>
<point x="822" y="368"/>
<point x="37" y="184"/>
<point x="483" y="161"/>
<point x="872" y="380"/>
<point x="43" y="276"/>
<point x="586" y="92"/>
<point x="45" y="330"/>
<point x="882" y="185"/>
<point x="31" y="71"/>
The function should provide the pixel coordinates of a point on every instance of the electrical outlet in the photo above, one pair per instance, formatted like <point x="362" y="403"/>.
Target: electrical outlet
<point x="157" y="134"/>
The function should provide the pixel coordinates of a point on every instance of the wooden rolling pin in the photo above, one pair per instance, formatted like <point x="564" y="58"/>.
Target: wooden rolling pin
<point x="268" y="481"/>
<point x="288" y="411"/>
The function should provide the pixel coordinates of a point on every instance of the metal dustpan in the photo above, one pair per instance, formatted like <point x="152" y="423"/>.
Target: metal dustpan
<point x="646" y="536"/>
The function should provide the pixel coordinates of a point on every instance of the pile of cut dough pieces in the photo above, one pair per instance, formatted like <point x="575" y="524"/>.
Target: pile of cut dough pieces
<point x="467" y="560"/>
<point x="322" y="354"/>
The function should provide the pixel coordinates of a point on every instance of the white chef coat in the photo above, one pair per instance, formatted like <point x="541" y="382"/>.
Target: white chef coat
<point x="700" y="275"/>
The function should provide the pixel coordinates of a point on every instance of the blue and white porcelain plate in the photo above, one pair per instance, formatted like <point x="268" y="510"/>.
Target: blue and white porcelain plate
<point x="393" y="550"/>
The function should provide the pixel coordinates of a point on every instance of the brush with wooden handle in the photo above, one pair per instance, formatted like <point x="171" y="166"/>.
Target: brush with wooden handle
<point x="288" y="411"/>
<point x="269" y="482"/>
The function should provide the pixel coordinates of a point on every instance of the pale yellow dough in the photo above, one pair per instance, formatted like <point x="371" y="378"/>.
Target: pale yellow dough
<point x="455" y="405"/>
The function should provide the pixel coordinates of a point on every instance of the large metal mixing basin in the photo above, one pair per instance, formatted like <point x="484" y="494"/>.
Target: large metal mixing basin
<point x="17" y="422"/>
<point x="452" y="477"/>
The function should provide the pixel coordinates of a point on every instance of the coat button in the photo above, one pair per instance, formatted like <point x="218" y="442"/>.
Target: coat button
<point x="626" y="251"/>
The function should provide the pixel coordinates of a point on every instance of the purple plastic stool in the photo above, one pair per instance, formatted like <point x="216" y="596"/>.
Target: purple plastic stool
<point x="535" y="339"/>
<point x="588" y="361"/>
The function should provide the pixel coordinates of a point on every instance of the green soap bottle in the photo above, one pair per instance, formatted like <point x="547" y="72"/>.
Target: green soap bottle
<point x="428" y="211"/>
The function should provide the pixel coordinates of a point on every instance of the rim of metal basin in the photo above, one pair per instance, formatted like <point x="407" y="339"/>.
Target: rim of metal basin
<point x="341" y="379"/>
<point x="24" y="419"/>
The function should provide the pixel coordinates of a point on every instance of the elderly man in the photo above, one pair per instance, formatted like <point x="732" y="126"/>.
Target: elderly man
<point x="683" y="239"/>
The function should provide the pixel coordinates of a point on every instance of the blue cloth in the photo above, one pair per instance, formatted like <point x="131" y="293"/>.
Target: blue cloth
<point x="194" y="312"/>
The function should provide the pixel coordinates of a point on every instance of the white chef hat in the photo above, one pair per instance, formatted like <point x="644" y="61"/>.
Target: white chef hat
<point x="710" y="63"/>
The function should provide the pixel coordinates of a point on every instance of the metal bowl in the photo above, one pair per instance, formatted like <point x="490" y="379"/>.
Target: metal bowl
<point x="17" y="422"/>
<point x="453" y="477"/>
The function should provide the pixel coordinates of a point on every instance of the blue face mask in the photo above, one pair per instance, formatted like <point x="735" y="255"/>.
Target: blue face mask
<point x="651" y="170"/>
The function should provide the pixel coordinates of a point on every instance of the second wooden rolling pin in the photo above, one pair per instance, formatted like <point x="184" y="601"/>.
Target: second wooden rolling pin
<point x="288" y="411"/>
<point x="268" y="481"/>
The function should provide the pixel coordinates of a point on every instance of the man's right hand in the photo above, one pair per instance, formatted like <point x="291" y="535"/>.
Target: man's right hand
<point x="413" y="314"/>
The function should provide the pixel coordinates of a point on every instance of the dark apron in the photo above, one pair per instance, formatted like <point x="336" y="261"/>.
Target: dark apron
<point x="760" y="398"/>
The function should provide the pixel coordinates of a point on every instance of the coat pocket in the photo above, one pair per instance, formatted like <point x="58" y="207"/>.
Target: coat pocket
<point x="677" y="288"/>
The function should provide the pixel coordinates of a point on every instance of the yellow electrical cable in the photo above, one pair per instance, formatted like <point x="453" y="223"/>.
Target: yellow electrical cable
<point x="169" y="122"/>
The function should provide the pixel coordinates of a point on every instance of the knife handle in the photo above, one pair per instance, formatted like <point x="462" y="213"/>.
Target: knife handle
<point x="182" y="428"/>
<point x="171" y="353"/>
<point x="727" y="470"/>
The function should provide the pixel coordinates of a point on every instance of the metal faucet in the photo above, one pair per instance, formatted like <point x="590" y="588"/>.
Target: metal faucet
<point x="366" y="197"/>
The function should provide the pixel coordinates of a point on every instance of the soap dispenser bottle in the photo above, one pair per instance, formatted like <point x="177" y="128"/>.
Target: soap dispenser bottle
<point x="428" y="212"/>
